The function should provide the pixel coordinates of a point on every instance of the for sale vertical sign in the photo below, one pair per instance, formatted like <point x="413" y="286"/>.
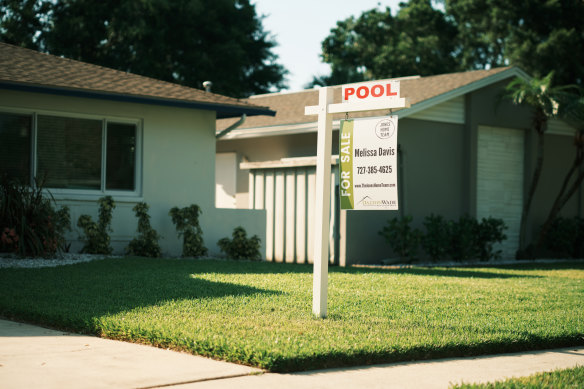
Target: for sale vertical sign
<point x="368" y="163"/>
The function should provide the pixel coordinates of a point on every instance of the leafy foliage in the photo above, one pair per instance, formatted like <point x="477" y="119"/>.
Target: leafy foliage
<point x="186" y="42"/>
<point x="490" y="231"/>
<point x="436" y="240"/>
<point x="187" y="225"/>
<point x="546" y="102"/>
<point x="146" y="244"/>
<point x="418" y="40"/>
<point x="97" y="239"/>
<point x="240" y="246"/>
<point x="401" y="237"/>
<point x="461" y="240"/>
<point x="30" y="224"/>
<point x="537" y="36"/>
<point x="565" y="238"/>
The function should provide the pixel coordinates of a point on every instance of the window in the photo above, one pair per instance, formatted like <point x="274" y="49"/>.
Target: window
<point x="69" y="153"/>
<point x="121" y="156"/>
<point x="15" y="146"/>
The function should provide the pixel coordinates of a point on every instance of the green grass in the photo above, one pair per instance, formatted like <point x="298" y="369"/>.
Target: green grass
<point x="260" y="313"/>
<point x="559" y="379"/>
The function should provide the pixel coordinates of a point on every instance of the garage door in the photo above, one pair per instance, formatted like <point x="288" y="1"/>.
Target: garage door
<point x="500" y="180"/>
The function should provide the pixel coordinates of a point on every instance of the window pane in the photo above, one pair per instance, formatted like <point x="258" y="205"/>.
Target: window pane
<point x="15" y="132"/>
<point x="69" y="152"/>
<point x="121" y="156"/>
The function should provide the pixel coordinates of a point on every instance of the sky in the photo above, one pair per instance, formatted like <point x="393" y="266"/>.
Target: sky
<point x="300" y="26"/>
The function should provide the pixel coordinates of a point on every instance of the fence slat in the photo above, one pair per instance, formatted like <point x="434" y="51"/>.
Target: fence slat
<point x="301" y="215"/>
<point x="269" y="188"/>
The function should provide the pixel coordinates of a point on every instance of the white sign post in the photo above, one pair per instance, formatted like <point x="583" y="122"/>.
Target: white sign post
<point x="356" y="97"/>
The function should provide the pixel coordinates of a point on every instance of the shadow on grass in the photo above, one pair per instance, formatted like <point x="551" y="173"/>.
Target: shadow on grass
<point x="70" y="297"/>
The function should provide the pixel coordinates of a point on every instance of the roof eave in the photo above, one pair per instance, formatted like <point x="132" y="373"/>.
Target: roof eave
<point x="223" y="111"/>
<point x="470" y="87"/>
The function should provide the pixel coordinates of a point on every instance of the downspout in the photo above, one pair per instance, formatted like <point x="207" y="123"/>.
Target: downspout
<point x="232" y="127"/>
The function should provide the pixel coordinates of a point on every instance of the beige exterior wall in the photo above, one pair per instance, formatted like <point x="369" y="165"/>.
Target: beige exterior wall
<point x="178" y="155"/>
<point x="483" y="110"/>
<point x="430" y="180"/>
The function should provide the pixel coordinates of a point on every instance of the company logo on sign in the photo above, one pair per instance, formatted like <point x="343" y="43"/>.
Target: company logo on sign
<point x="368" y="91"/>
<point x="384" y="129"/>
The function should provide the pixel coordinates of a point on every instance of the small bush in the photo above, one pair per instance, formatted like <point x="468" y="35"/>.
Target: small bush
<point x="30" y="224"/>
<point x="187" y="225"/>
<point x="97" y="239"/>
<point x="463" y="239"/>
<point x="436" y="240"/>
<point x="401" y="237"/>
<point x="146" y="244"/>
<point x="565" y="238"/>
<point x="241" y="247"/>
<point x="490" y="231"/>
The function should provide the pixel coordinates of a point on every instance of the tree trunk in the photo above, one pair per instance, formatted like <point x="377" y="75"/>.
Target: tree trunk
<point x="532" y="187"/>
<point x="566" y="192"/>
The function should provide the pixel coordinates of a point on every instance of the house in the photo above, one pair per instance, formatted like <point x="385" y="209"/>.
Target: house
<point x="93" y="131"/>
<point x="462" y="150"/>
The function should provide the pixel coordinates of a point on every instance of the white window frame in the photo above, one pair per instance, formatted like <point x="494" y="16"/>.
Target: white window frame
<point x="88" y="194"/>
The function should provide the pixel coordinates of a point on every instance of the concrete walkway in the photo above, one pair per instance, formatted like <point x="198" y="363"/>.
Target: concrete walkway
<point x="35" y="357"/>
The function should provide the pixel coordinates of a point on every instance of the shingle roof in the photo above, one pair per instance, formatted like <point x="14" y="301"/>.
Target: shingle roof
<point x="25" y="69"/>
<point x="289" y="107"/>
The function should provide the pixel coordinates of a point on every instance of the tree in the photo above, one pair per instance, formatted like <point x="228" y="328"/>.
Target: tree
<point x="543" y="99"/>
<point x="537" y="36"/>
<point x="418" y="40"/>
<point x="20" y="23"/>
<point x="182" y="41"/>
<point x="575" y="175"/>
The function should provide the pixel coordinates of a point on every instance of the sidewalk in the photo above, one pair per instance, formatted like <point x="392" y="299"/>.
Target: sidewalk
<point x="35" y="357"/>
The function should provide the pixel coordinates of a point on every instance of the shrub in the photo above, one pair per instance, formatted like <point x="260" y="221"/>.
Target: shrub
<point x="241" y="247"/>
<point x="30" y="224"/>
<point x="401" y="237"/>
<point x="463" y="235"/>
<point x="187" y="225"/>
<point x="436" y="240"/>
<point x="565" y="238"/>
<point x="490" y="231"/>
<point x="97" y="239"/>
<point x="146" y="244"/>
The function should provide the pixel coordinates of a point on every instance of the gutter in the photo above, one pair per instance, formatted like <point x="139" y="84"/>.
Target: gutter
<point x="222" y="110"/>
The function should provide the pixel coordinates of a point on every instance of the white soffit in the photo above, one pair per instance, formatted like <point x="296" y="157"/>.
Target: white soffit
<point x="559" y="127"/>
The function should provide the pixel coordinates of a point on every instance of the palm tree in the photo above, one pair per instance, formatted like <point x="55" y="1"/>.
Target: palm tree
<point x="574" y="109"/>
<point x="542" y="97"/>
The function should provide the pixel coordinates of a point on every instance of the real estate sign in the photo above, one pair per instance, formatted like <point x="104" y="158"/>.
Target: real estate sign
<point x="368" y="163"/>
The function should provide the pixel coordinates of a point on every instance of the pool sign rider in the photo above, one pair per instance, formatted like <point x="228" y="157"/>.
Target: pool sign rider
<point x="368" y="173"/>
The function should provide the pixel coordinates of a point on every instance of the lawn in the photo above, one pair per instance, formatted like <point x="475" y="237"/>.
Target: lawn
<point x="559" y="379"/>
<point x="260" y="313"/>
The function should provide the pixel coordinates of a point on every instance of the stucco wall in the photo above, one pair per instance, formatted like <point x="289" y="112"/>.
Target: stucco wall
<point x="432" y="182"/>
<point x="178" y="156"/>
<point x="483" y="110"/>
